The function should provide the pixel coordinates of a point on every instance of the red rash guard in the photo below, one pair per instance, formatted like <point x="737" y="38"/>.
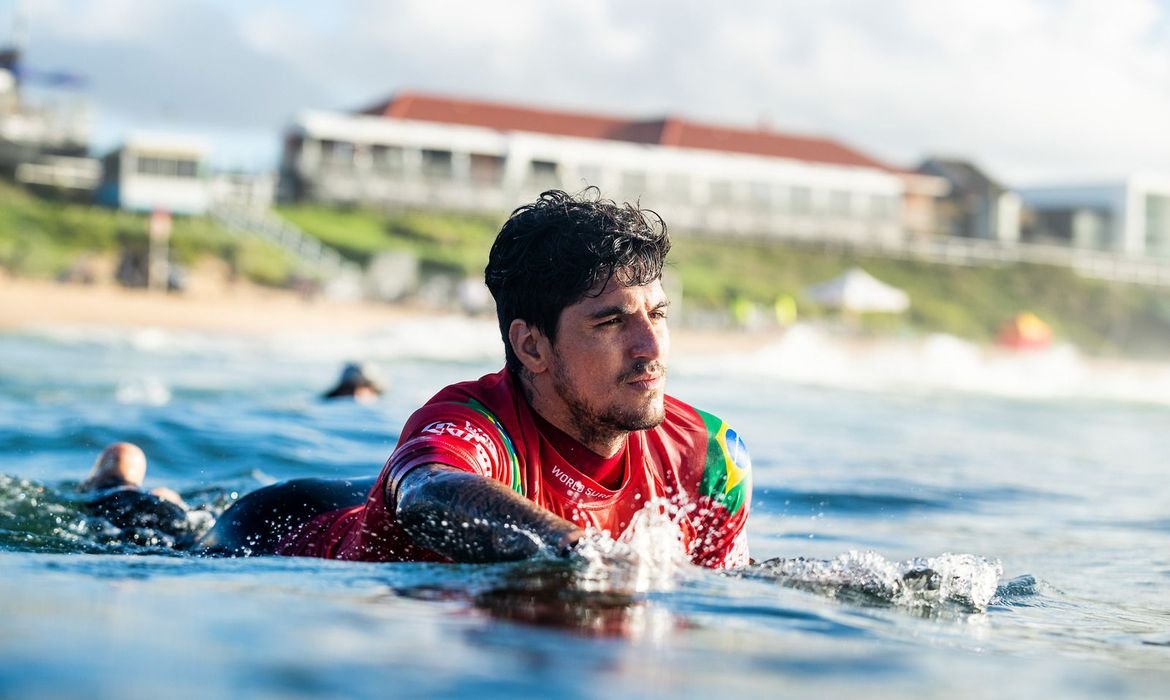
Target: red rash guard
<point x="486" y="427"/>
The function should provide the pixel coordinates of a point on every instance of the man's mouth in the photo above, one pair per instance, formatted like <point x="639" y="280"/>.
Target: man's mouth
<point x="646" y="378"/>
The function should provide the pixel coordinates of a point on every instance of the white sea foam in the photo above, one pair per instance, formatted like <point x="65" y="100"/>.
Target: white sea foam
<point x="805" y="354"/>
<point x="963" y="579"/>
<point x="147" y="391"/>
<point x="440" y="337"/>
<point x="810" y="355"/>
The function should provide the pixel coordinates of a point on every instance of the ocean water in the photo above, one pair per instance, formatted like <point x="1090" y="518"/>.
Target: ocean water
<point x="1033" y="486"/>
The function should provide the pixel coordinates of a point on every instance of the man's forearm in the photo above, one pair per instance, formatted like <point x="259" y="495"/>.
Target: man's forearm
<point x="469" y="518"/>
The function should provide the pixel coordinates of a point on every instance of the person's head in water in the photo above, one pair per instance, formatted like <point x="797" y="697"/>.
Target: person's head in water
<point x="123" y="465"/>
<point x="356" y="382"/>
<point x="120" y="464"/>
<point x="577" y="285"/>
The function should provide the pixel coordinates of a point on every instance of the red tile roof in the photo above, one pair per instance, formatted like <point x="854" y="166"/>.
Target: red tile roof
<point x="669" y="131"/>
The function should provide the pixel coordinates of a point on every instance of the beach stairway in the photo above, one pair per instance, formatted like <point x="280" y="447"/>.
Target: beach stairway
<point x="335" y="277"/>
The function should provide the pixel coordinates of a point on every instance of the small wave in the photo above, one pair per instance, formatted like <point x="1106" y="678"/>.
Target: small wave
<point x="147" y="391"/>
<point x="965" y="580"/>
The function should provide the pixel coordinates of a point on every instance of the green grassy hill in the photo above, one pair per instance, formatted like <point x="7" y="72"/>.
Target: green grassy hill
<point x="42" y="238"/>
<point x="971" y="302"/>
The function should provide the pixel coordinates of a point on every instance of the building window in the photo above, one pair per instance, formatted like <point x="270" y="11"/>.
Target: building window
<point x="676" y="187"/>
<point x="840" y="203"/>
<point x="544" y="173"/>
<point x="1158" y="225"/>
<point x="760" y="194"/>
<point x="590" y="174"/>
<point x="487" y="169"/>
<point x="437" y="164"/>
<point x="386" y="159"/>
<point x="883" y="207"/>
<point x="186" y="168"/>
<point x="722" y="191"/>
<point x="800" y="201"/>
<point x="337" y="153"/>
<point x="166" y="167"/>
<point x="633" y="184"/>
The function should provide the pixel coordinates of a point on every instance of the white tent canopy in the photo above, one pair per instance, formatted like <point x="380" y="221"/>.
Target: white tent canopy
<point x="856" y="290"/>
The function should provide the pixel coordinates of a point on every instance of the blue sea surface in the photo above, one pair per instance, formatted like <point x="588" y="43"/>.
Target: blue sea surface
<point x="1062" y="501"/>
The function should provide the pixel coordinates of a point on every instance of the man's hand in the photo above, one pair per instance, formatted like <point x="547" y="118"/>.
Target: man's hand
<point x="470" y="518"/>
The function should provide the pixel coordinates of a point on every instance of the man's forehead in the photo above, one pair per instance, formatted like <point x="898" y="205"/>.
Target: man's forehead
<point x="612" y="292"/>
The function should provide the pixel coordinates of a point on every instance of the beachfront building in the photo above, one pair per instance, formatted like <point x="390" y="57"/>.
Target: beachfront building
<point x="418" y="150"/>
<point x="156" y="172"/>
<point x="976" y="206"/>
<point x="41" y="146"/>
<point x="1129" y="216"/>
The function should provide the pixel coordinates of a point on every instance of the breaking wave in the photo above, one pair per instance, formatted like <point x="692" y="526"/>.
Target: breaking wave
<point x="810" y="355"/>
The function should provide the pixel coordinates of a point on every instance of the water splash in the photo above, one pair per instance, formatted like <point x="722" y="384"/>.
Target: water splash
<point x="649" y="556"/>
<point x="38" y="518"/>
<point x="965" y="580"/>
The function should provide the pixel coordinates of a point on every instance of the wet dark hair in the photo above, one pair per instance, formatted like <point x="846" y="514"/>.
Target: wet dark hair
<point x="550" y="253"/>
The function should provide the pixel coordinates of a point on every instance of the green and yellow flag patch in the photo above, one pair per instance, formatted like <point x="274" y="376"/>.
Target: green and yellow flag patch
<point x="727" y="475"/>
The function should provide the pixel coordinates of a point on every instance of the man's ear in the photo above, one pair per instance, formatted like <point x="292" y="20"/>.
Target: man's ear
<point x="530" y="345"/>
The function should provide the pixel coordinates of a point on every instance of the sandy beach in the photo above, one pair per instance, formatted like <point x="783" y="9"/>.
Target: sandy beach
<point x="241" y="308"/>
<point x="210" y="305"/>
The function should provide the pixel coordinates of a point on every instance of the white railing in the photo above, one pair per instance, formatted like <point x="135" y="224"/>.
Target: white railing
<point x="310" y="252"/>
<point x="1096" y="264"/>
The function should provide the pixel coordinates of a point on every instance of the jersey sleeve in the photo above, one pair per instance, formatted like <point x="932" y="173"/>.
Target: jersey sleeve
<point x="460" y="435"/>
<point x="725" y="494"/>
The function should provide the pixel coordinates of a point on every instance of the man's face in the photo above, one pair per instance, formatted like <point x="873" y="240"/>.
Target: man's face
<point x="608" y="364"/>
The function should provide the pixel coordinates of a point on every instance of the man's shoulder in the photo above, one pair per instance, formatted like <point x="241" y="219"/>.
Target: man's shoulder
<point x="478" y="408"/>
<point x="684" y="416"/>
<point x="718" y="452"/>
<point x="488" y="389"/>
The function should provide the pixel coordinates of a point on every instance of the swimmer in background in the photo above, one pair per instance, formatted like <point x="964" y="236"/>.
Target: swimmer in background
<point x="356" y="382"/>
<point x="113" y="491"/>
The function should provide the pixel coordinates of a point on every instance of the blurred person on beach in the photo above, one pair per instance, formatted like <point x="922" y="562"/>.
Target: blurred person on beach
<point x="356" y="382"/>
<point x="574" y="435"/>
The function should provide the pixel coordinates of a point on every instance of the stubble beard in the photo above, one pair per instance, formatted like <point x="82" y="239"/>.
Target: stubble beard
<point x="600" y="424"/>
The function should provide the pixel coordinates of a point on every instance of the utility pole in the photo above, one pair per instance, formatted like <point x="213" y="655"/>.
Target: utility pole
<point x="158" y="258"/>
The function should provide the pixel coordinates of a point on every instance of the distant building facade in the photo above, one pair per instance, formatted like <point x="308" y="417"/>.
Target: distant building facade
<point x="43" y="147"/>
<point x="976" y="206"/>
<point x="1129" y="216"/>
<point x="427" y="151"/>
<point x="155" y="171"/>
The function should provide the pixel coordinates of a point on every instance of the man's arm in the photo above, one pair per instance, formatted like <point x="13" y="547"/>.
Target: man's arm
<point x="471" y="518"/>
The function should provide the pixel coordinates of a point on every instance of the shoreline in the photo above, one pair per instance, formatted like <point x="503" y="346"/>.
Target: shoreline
<point x="28" y="304"/>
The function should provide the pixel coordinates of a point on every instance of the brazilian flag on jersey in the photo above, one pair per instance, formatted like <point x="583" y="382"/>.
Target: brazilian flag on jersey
<point x="727" y="475"/>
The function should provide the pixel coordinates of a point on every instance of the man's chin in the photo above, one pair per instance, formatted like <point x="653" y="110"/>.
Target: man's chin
<point x="652" y="417"/>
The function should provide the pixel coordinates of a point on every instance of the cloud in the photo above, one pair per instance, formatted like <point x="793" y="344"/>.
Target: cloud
<point x="1030" y="88"/>
<point x="182" y="62"/>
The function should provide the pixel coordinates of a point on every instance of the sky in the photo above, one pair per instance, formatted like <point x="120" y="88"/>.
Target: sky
<point x="1033" y="91"/>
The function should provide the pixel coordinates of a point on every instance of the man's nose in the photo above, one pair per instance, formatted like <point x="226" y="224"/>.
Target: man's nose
<point x="649" y="340"/>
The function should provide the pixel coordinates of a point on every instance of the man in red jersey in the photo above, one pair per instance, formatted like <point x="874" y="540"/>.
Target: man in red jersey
<point x="575" y="432"/>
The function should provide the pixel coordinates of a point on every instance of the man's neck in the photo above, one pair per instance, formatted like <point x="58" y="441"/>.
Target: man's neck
<point x="606" y="471"/>
<point x="597" y="439"/>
